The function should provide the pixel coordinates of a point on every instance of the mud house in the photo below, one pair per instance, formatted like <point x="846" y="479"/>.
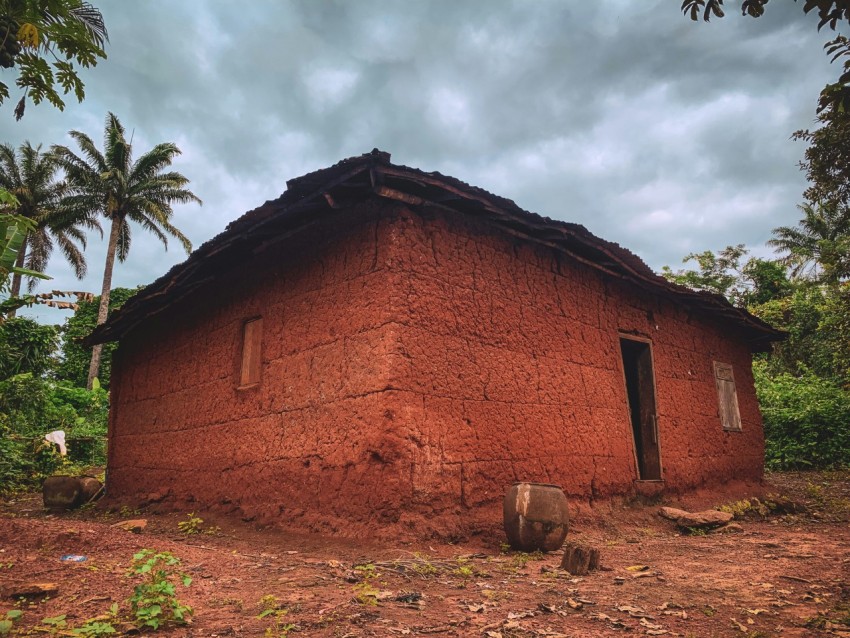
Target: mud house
<point x="386" y="344"/>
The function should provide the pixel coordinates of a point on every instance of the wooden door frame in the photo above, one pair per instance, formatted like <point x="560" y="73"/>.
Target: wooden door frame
<point x="632" y="337"/>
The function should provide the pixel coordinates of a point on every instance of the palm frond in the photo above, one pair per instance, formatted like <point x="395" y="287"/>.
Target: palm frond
<point x="39" y="249"/>
<point x="73" y="255"/>
<point x="151" y="163"/>
<point x="95" y="159"/>
<point x="123" y="245"/>
<point x="117" y="151"/>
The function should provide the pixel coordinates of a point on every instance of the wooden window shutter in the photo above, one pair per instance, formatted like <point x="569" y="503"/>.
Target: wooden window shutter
<point x="252" y="354"/>
<point x="727" y="397"/>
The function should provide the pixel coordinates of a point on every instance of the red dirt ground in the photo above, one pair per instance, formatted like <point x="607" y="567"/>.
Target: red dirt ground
<point x="782" y="576"/>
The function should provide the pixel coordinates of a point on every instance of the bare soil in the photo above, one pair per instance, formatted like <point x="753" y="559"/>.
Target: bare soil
<point x="782" y="575"/>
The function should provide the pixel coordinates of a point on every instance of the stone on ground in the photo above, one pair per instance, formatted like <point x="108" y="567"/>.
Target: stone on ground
<point x="136" y="525"/>
<point x="696" y="520"/>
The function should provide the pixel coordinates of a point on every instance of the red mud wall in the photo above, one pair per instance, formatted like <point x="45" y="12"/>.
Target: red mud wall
<point x="412" y="368"/>
<point x="509" y="358"/>
<point x="315" y="436"/>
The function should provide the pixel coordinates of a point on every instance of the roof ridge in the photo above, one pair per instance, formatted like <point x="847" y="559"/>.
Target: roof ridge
<point x="310" y="194"/>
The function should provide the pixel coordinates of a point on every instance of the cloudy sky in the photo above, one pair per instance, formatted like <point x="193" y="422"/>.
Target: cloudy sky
<point x="662" y="134"/>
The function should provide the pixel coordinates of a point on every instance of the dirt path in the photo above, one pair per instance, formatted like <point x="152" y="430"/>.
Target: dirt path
<point x="784" y="576"/>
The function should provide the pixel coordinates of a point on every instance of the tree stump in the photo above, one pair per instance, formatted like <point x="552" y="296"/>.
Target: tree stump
<point x="579" y="560"/>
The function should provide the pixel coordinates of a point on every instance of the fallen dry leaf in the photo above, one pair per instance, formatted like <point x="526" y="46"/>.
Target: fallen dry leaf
<point x="739" y="626"/>
<point x="516" y="615"/>
<point x="645" y="623"/>
<point x="618" y="624"/>
<point x="679" y="614"/>
<point x="634" y="612"/>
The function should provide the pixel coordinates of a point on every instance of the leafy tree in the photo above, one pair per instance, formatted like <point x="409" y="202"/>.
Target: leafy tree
<point x="76" y="358"/>
<point x="767" y="279"/>
<point x="819" y="246"/>
<point x="807" y="346"/>
<point x="753" y="282"/>
<point x="827" y="159"/>
<point x="26" y="346"/>
<point x="45" y="39"/>
<point x="30" y="175"/>
<point x="718" y="273"/>
<point x="830" y="12"/>
<point x="112" y="185"/>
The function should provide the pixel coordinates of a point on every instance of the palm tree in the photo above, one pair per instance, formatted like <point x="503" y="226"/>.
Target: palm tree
<point x="820" y="241"/>
<point x="112" y="185"/>
<point x="30" y="176"/>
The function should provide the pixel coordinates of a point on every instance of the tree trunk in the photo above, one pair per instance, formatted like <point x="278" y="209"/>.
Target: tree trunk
<point x="103" y="308"/>
<point x="16" y="278"/>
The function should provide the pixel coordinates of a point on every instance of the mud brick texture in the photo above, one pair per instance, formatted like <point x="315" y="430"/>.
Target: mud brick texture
<point x="422" y="344"/>
<point x="415" y="363"/>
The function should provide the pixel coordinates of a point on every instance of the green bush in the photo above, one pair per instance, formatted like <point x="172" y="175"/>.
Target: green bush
<point x="806" y="420"/>
<point x="24" y="461"/>
<point x="26" y="346"/>
<point x="30" y="407"/>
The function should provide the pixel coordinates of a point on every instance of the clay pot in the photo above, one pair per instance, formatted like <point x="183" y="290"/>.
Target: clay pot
<point x="536" y="517"/>
<point x="62" y="492"/>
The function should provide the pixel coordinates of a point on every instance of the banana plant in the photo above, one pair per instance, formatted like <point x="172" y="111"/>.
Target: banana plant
<point x="13" y="231"/>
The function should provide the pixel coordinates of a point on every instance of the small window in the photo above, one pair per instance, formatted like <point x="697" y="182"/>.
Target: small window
<point x="252" y="356"/>
<point x="727" y="396"/>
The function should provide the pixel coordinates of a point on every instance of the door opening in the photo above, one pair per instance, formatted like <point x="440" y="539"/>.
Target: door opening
<point x="640" y="388"/>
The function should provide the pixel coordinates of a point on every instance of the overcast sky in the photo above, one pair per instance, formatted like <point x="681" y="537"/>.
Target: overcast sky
<point x="664" y="135"/>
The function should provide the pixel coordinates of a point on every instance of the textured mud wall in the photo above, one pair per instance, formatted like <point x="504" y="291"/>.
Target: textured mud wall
<point x="412" y="368"/>
<point x="509" y="359"/>
<point x="316" y="436"/>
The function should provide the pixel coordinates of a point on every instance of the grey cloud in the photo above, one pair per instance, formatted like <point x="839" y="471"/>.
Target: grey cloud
<point x="661" y="134"/>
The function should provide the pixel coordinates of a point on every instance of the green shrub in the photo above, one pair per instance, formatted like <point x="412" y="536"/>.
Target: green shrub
<point x="806" y="420"/>
<point x="24" y="462"/>
<point x="154" y="601"/>
<point x="26" y="346"/>
<point x="30" y="407"/>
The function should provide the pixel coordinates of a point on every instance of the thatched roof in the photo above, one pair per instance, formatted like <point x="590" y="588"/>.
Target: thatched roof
<point x="309" y="197"/>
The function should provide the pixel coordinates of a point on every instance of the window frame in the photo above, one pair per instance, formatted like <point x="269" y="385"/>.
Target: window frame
<point x="728" y="408"/>
<point x="250" y="370"/>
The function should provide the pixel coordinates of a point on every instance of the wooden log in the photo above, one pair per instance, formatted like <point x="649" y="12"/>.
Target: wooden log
<point x="579" y="560"/>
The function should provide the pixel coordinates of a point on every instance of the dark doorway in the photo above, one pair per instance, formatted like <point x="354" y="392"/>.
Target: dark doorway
<point x="640" y="387"/>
